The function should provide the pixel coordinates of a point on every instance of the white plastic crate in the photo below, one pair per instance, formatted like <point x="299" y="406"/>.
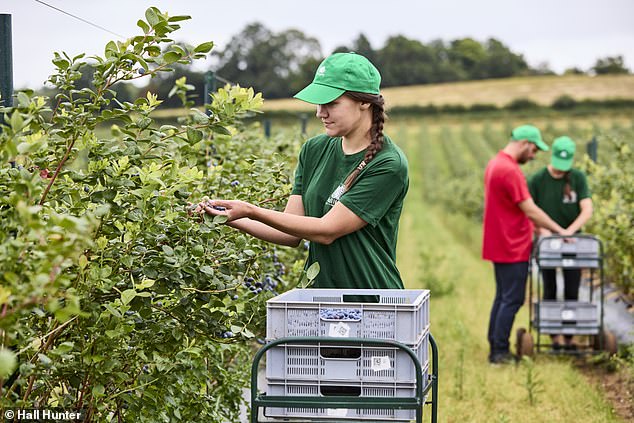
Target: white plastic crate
<point x="359" y="389"/>
<point x="567" y="317"/>
<point x="365" y="363"/>
<point x="397" y="314"/>
<point x="584" y="252"/>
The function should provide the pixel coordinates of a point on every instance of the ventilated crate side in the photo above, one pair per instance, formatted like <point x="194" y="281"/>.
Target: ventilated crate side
<point x="582" y="253"/>
<point x="316" y="362"/>
<point x="283" y="388"/>
<point x="400" y="315"/>
<point x="567" y="317"/>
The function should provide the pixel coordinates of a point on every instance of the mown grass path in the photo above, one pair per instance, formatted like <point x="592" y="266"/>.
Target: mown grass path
<point x="439" y="250"/>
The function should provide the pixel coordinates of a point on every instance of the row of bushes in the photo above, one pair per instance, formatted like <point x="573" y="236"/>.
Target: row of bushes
<point x="115" y="299"/>
<point x="562" y="103"/>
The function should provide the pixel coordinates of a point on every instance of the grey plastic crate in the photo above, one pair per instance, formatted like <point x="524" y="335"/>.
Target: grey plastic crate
<point x="567" y="317"/>
<point x="584" y="252"/>
<point x="399" y="314"/>
<point x="346" y="362"/>
<point x="359" y="389"/>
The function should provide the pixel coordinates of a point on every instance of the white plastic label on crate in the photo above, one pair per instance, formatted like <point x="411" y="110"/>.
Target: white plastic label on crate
<point x="567" y="315"/>
<point x="339" y="330"/>
<point x="381" y="363"/>
<point x="568" y="262"/>
<point x="555" y="244"/>
<point x="337" y="412"/>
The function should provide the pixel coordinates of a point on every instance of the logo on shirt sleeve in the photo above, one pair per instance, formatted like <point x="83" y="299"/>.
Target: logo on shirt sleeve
<point x="335" y="196"/>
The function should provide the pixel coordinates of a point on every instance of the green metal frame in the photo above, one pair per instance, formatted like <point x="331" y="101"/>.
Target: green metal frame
<point x="259" y="400"/>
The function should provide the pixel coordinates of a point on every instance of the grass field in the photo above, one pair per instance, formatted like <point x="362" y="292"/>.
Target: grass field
<point x="541" y="89"/>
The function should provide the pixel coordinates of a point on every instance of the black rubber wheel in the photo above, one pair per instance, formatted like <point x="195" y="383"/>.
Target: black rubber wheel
<point x="607" y="340"/>
<point x="609" y="343"/>
<point x="524" y="343"/>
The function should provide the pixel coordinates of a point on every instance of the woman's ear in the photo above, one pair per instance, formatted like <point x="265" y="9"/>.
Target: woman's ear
<point x="365" y="106"/>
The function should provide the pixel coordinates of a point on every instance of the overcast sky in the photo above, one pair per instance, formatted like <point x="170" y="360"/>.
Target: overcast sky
<point x="563" y="33"/>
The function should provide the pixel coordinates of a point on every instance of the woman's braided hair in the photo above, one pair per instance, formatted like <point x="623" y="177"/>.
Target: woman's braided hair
<point x="376" y="131"/>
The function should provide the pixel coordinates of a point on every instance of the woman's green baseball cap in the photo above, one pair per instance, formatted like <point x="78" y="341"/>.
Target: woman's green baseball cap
<point x="339" y="73"/>
<point x="563" y="153"/>
<point x="530" y="134"/>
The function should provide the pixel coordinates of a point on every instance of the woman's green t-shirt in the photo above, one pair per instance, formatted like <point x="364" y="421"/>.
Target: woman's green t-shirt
<point x="548" y="194"/>
<point x="364" y="259"/>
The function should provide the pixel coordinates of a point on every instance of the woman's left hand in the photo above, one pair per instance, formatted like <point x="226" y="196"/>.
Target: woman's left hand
<point x="233" y="209"/>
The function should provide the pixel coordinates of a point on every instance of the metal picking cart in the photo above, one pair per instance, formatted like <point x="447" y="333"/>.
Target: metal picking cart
<point x="342" y="398"/>
<point x="336" y="355"/>
<point x="583" y="317"/>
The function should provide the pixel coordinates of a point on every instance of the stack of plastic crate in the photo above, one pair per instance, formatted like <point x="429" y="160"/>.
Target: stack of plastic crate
<point x="568" y="317"/>
<point x="322" y="370"/>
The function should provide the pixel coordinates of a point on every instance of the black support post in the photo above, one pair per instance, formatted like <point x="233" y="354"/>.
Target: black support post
<point x="6" y="63"/>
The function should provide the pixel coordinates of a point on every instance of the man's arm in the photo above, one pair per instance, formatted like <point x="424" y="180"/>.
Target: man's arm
<point x="540" y="218"/>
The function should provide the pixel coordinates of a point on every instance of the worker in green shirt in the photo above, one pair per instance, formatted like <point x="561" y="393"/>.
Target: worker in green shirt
<point x="349" y="185"/>
<point x="562" y="192"/>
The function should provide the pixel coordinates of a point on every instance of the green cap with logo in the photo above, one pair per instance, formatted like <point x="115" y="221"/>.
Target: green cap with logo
<point x="530" y="134"/>
<point x="339" y="73"/>
<point x="563" y="153"/>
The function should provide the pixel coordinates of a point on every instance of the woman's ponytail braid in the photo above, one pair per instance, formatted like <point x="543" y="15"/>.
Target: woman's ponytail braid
<point x="376" y="131"/>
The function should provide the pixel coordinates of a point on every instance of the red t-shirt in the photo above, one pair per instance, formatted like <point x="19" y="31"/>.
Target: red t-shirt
<point x="508" y="233"/>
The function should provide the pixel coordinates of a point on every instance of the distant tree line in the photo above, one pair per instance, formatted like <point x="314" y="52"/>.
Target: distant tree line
<point x="280" y="64"/>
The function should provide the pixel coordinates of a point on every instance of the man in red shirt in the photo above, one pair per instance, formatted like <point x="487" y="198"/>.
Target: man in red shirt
<point x="509" y="214"/>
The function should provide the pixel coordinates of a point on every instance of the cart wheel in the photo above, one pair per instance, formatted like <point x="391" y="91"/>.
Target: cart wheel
<point x="609" y="342"/>
<point x="525" y="345"/>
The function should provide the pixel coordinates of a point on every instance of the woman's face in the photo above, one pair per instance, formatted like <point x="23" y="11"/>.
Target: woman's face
<point x="344" y="116"/>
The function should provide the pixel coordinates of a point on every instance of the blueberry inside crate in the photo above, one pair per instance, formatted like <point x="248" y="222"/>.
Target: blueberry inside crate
<point x="395" y="314"/>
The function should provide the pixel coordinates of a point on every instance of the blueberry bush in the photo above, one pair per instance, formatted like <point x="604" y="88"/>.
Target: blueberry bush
<point x="114" y="299"/>
<point x="612" y="184"/>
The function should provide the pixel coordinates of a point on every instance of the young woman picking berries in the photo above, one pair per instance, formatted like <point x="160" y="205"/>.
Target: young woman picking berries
<point x="349" y="186"/>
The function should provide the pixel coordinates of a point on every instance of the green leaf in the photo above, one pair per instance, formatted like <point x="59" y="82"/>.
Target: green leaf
<point x="312" y="271"/>
<point x="145" y="27"/>
<point x="178" y="18"/>
<point x="152" y="16"/>
<point x="23" y="99"/>
<point x="112" y="310"/>
<point x="194" y="135"/>
<point x="204" y="47"/>
<point x="171" y="57"/>
<point x="127" y="296"/>
<point x="98" y="390"/>
<point x="207" y="270"/>
<point x="220" y="219"/>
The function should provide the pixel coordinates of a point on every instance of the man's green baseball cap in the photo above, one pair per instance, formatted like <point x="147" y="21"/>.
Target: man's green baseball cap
<point x="563" y="153"/>
<point x="530" y="134"/>
<point x="339" y="73"/>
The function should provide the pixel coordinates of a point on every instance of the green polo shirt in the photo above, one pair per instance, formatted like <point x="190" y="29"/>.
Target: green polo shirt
<point x="364" y="259"/>
<point x="548" y="194"/>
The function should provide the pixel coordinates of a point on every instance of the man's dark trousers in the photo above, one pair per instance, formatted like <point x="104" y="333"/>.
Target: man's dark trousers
<point x="510" y="289"/>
